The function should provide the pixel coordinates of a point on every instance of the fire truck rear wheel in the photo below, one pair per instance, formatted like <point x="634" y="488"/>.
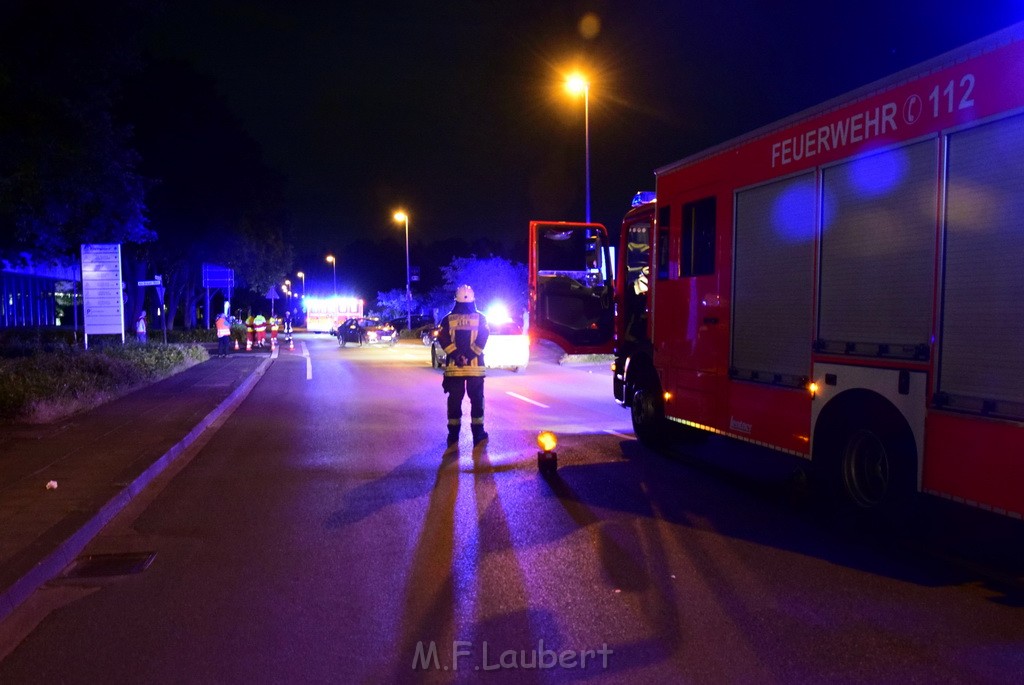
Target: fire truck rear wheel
<point x="870" y="465"/>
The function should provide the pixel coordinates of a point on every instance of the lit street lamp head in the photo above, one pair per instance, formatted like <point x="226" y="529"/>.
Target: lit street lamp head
<point x="576" y="83"/>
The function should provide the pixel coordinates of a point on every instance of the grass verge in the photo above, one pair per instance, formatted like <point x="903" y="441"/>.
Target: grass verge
<point x="45" y="383"/>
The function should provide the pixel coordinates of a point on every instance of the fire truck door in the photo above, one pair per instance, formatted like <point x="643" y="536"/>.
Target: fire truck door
<point x="571" y="289"/>
<point x="698" y="322"/>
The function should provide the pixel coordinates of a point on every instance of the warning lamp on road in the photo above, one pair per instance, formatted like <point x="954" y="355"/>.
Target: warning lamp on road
<point x="547" y="460"/>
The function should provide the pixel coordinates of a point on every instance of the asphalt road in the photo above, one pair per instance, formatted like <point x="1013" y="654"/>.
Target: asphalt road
<point x="323" y="534"/>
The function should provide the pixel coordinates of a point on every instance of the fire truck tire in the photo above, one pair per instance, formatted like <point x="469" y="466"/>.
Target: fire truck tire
<point x="648" y="415"/>
<point x="867" y="462"/>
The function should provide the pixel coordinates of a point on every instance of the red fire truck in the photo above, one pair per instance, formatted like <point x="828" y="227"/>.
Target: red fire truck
<point x="845" y="285"/>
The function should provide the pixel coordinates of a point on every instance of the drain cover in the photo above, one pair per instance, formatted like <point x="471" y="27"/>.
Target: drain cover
<point x="94" y="565"/>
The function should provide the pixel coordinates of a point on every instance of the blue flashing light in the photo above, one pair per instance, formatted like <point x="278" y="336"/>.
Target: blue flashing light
<point x="878" y="175"/>
<point x="793" y="213"/>
<point x="498" y="313"/>
<point x="643" y="197"/>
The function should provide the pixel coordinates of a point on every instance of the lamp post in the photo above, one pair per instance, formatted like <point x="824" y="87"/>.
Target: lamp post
<point x="403" y="217"/>
<point x="334" y="265"/>
<point x="577" y="83"/>
<point x="303" y="277"/>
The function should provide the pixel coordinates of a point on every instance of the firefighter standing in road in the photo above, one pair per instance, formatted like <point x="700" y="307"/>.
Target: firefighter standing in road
<point x="463" y="336"/>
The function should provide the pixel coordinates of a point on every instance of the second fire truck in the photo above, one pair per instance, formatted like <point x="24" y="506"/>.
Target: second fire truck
<point x="844" y="286"/>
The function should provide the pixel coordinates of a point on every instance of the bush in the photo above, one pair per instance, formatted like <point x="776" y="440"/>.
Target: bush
<point x="47" y="383"/>
<point x="24" y="342"/>
<point x="193" y="335"/>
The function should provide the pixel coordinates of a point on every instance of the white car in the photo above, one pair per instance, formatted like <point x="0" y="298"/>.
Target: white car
<point x="507" y="347"/>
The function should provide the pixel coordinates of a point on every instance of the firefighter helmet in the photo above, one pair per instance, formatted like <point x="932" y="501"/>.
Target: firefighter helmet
<point x="464" y="293"/>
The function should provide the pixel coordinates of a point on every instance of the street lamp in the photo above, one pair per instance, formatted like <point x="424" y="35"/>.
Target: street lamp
<point x="334" y="264"/>
<point x="576" y="84"/>
<point x="303" y="277"/>
<point x="402" y="216"/>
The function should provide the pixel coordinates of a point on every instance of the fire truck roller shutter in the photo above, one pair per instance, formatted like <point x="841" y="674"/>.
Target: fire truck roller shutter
<point x="774" y="265"/>
<point x="878" y="253"/>
<point x="981" y="359"/>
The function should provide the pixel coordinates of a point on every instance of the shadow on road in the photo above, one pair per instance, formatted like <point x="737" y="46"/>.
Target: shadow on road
<point x="939" y="543"/>
<point x="429" y="601"/>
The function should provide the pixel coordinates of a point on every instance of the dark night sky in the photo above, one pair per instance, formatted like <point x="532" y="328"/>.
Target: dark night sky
<point x="455" y="110"/>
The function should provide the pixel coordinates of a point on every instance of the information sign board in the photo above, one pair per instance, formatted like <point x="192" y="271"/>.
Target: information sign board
<point x="216" y="276"/>
<point x="101" y="289"/>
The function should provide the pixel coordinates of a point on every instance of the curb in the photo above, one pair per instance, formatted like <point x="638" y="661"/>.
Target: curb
<point x="56" y="561"/>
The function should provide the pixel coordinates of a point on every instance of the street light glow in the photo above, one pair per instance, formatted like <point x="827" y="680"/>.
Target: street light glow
<point x="402" y="217"/>
<point x="334" y="265"/>
<point x="576" y="83"/>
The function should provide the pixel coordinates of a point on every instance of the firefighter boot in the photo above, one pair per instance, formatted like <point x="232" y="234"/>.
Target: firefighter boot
<point x="479" y="435"/>
<point x="453" y="435"/>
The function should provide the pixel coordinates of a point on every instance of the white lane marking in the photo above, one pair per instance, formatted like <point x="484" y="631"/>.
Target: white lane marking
<point x="309" y="362"/>
<point x="527" y="399"/>
<point x="618" y="434"/>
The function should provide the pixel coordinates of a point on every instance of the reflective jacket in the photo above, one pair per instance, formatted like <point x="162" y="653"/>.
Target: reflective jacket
<point x="463" y="336"/>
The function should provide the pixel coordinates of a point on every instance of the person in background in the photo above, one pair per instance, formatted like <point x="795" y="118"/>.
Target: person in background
<point x="223" y="335"/>
<point x="140" y="327"/>
<point x="275" y="326"/>
<point x="259" y="323"/>
<point x="250" y="332"/>
<point x="288" y="326"/>
<point x="463" y="335"/>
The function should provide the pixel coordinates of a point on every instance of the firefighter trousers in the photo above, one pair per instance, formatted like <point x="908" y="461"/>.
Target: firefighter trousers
<point x="457" y="388"/>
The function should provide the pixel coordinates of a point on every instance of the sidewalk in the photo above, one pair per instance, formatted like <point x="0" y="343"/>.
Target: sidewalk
<point x="100" y="460"/>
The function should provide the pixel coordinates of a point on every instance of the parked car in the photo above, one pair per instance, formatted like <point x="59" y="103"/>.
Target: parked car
<point x="429" y="335"/>
<point x="421" y="323"/>
<point x="507" y="347"/>
<point x="366" y="331"/>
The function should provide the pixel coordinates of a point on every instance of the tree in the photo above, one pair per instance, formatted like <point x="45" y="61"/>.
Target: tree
<point x="391" y="304"/>
<point x="216" y="200"/>
<point x="493" y="279"/>
<point x="67" y="167"/>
